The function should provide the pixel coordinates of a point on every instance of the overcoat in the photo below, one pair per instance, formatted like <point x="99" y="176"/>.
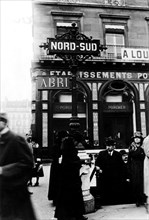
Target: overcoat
<point x="16" y="161"/>
<point x="136" y="161"/>
<point x="146" y="165"/>
<point x="110" y="180"/>
<point x="70" y="199"/>
<point x="54" y="176"/>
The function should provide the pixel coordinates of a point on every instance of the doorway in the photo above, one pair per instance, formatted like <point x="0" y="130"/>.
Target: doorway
<point x="63" y="124"/>
<point x="119" y="126"/>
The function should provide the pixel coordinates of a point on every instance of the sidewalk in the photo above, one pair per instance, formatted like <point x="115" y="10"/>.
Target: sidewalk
<point x="45" y="211"/>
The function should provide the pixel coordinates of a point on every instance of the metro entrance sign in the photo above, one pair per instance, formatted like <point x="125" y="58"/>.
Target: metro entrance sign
<point x="72" y="47"/>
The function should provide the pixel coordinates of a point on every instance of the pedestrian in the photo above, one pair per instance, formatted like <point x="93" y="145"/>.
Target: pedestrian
<point x="79" y="141"/>
<point x="136" y="159"/>
<point x="38" y="167"/>
<point x="29" y="141"/>
<point x="55" y="166"/>
<point x="16" y="163"/>
<point x="70" y="205"/>
<point x="126" y="185"/>
<point x="146" y="171"/>
<point x="109" y="164"/>
<point x="37" y="171"/>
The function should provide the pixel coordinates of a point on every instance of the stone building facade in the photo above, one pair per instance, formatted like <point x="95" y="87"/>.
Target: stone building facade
<point x="19" y="115"/>
<point x="112" y="89"/>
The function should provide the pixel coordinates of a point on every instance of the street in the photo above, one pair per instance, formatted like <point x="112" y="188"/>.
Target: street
<point x="45" y="211"/>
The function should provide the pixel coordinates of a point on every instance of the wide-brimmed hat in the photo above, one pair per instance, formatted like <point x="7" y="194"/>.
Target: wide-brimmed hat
<point x="3" y="117"/>
<point x="109" y="141"/>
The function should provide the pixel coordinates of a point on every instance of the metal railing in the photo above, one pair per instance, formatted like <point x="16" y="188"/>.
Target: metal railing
<point x="113" y="52"/>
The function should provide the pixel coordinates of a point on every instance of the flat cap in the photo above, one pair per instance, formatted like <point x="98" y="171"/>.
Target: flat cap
<point x="3" y="117"/>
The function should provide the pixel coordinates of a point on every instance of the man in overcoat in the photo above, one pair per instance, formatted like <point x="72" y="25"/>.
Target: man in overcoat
<point x="110" y="165"/>
<point x="16" y="163"/>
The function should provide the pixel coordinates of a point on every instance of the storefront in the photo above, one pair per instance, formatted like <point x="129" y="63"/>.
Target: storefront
<point x="112" y="99"/>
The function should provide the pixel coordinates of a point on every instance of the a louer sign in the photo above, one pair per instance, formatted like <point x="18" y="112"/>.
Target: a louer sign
<point x="73" y="47"/>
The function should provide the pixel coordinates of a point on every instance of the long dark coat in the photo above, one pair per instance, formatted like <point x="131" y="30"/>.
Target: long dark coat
<point x="136" y="160"/>
<point x="110" y="180"/>
<point x="70" y="200"/>
<point x="54" y="177"/>
<point x="16" y="161"/>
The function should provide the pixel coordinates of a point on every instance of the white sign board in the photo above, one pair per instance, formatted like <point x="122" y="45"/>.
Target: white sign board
<point x="135" y="54"/>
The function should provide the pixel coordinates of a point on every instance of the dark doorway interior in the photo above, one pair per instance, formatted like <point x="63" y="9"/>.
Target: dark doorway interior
<point x="118" y="126"/>
<point x="63" y="124"/>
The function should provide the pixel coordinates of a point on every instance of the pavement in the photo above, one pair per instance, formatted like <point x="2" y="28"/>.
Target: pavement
<point x="45" y="210"/>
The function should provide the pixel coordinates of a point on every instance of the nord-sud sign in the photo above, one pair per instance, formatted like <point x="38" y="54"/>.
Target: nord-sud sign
<point x="73" y="47"/>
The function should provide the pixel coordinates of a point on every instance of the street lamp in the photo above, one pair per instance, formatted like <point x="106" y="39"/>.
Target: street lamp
<point x="73" y="48"/>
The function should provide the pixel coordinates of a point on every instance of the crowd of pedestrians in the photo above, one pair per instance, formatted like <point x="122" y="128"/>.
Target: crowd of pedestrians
<point x="122" y="176"/>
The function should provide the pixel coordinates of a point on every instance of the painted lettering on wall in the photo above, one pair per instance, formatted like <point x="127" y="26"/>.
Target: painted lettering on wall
<point x="103" y="75"/>
<point x="113" y="75"/>
<point x="53" y="82"/>
<point x="135" y="54"/>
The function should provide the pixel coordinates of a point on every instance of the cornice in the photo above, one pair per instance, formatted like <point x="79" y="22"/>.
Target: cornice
<point x="66" y="13"/>
<point x="109" y="16"/>
<point x="93" y="5"/>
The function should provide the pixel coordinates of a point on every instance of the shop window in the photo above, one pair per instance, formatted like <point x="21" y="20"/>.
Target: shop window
<point x="65" y="98"/>
<point x="117" y="98"/>
<point x="117" y="91"/>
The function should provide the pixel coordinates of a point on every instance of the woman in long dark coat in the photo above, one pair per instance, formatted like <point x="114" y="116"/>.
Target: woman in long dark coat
<point x="136" y="160"/>
<point x="70" y="203"/>
<point x="55" y="167"/>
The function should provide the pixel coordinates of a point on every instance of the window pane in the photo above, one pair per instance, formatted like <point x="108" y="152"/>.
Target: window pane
<point x="63" y="27"/>
<point x="109" y="39"/>
<point x="114" y="41"/>
<point x="65" y="98"/>
<point x="62" y="30"/>
<point x="119" y="39"/>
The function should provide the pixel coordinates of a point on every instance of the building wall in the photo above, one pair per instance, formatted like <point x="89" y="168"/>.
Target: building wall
<point x="19" y="115"/>
<point x="93" y="16"/>
<point x="91" y="23"/>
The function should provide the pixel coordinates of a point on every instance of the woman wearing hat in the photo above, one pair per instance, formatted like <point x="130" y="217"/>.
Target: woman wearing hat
<point x="136" y="159"/>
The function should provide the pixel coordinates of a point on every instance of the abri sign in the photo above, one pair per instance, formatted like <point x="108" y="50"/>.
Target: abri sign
<point x="69" y="47"/>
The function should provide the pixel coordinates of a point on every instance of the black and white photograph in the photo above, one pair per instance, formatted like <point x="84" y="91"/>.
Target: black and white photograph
<point x="74" y="110"/>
